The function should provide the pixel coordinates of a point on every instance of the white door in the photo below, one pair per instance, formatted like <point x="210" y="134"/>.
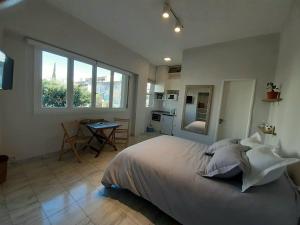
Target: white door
<point x="236" y="109"/>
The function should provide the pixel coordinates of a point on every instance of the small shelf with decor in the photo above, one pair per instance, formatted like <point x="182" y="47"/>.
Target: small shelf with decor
<point x="272" y="100"/>
<point x="273" y="93"/>
<point x="267" y="129"/>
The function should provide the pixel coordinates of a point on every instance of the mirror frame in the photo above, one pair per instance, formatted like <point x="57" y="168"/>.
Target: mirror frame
<point x="211" y="89"/>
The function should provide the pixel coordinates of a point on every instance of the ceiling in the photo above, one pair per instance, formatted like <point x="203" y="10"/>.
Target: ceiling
<point x="138" y="25"/>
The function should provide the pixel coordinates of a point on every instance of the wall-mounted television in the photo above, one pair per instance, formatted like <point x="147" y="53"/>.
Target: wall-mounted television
<point x="6" y="71"/>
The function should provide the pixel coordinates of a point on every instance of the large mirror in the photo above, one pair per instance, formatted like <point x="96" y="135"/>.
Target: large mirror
<point x="197" y="106"/>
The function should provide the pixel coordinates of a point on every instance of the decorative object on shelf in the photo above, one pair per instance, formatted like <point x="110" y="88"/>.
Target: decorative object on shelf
<point x="273" y="91"/>
<point x="267" y="128"/>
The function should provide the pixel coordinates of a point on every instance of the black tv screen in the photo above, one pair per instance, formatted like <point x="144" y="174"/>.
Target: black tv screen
<point x="6" y="71"/>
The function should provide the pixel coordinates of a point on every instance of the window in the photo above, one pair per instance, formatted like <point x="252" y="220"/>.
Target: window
<point x="67" y="82"/>
<point x="54" y="80"/>
<point x="82" y="84"/>
<point x="103" y="88"/>
<point x="119" y="90"/>
<point x="149" y="94"/>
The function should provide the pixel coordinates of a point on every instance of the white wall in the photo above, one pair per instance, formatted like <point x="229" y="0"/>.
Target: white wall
<point x="253" y="58"/>
<point x="39" y="134"/>
<point x="285" y="115"/>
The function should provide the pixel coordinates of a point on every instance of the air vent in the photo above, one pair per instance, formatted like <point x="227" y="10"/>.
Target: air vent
<point x="175" y="69"/>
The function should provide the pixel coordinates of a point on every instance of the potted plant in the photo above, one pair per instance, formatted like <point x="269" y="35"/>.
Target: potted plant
<point x="273" y="91"/>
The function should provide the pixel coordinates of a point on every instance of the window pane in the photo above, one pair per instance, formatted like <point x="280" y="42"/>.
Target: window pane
<point x="148" y="88"/>
<point x="102" y="88"/>
<point x="118" y="91"/>
<point x="54" y="80"/>
<point x="82" y="79"/>
<point x="149" y="94"/>
<point x="147" y="100"/>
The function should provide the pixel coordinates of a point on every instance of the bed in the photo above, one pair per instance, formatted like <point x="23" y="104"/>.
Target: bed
<point x="162" y="170"/>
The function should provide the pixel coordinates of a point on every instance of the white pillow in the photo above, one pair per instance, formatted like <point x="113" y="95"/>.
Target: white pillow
<point x="252" y="141"/>
<point x="266" y="166"/>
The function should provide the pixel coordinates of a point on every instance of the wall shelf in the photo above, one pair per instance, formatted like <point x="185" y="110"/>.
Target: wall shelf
<point x="272" y="132"/>
<point x="272" y="100"/>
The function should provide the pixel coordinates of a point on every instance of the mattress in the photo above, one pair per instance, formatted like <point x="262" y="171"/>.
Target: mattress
<point x="163" y="170"/>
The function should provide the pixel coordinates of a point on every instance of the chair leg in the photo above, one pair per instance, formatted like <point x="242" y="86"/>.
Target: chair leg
<point x="75" y="153"/>
<point x="62" y="149"/>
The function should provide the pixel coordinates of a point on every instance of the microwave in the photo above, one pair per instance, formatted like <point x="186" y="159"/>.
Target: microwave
<point x="172" y="97"/>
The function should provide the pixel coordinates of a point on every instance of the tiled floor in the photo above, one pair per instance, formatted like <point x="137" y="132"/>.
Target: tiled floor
<point x="46" y="191"/>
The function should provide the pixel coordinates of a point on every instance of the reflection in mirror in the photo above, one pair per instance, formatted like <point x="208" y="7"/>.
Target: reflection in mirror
<point x="196" y="109"/>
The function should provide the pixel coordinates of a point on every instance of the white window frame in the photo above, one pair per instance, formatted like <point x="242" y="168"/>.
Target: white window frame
<point x="151" y="94"/>
<point x="39" y="48"/>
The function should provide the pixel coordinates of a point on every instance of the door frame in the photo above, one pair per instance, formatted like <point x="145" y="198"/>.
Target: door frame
<point x="221" y="101"/>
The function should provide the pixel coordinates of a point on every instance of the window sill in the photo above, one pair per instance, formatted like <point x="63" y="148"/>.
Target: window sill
<point x="77" y="110"/>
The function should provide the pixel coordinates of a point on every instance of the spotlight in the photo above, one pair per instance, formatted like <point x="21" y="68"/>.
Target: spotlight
<point x="166" y="10"/>
<point x="177" y="27"/>
<point x="167" y="59"/>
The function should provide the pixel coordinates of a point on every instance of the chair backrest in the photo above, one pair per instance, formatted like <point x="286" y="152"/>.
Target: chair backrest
<point x="124" y="123"/>
<point x="71" y="128"/>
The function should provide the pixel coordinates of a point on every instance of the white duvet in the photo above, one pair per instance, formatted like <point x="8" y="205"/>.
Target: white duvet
<point x="163" y="171"/>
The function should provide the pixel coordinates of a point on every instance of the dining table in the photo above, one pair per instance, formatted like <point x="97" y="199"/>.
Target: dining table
<point x="103" y="132"/>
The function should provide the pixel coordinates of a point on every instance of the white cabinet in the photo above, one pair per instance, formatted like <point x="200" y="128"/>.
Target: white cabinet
<point x="161" y="78"/>
<point x="166" y="124"/>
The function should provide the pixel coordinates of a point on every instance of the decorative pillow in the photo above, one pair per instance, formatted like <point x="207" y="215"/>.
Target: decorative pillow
<point x="219" y="144"/>
<point x="227" y="162"/>
<point x="266" y="166"/>
<point x="253" y="141"/>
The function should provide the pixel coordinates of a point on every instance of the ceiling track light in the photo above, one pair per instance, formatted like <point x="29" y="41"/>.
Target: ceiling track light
<point x="178" y="26"/>
<point x="167" y="10"/>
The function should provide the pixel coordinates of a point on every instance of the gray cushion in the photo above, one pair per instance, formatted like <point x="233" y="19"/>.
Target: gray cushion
<point x="228" y="141"/>
<point x="227" y="162"/>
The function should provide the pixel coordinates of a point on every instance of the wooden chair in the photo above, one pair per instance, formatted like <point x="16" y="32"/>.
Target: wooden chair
<point x="73" y="136"/>
<point x="122" y="132"/>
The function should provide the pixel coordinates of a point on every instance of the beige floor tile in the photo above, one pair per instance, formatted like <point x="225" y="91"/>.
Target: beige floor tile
<point x="27" y="215"/>
<point x="95" y="178"/>
<point x="3" y="209"/>
<point x="80" y="189"/>
<point x="21" y="198"/>
<point x="86" y="170"/>
<point x="5" y="220"/>
<point x="49" y="191"/>
<point x="109" y="215"/>
<point x="37" y="221"/>
<point x="43" y="181"/>
<point x="68" y="177"/>
<point x="14" y="184"/>
<point x="71" y="215"/>
<point x="45" y="191"/>
<point x="94" y="201"/>
<point x="56" y="203"/>
<point x="35" y="173"/>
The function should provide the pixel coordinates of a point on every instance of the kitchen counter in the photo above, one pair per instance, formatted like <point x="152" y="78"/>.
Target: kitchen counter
<point x="166" y="113"/>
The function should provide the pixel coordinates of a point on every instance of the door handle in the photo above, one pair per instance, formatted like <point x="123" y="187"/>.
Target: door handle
<point x="221" y="121"/>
